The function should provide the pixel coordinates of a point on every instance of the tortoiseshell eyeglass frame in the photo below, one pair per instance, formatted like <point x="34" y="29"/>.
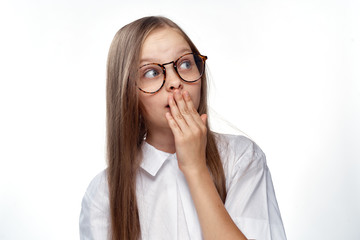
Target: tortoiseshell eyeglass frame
<point x="204" y="58"/>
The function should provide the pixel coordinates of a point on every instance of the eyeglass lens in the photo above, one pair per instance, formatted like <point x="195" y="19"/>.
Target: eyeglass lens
<point x="190" y="68"/>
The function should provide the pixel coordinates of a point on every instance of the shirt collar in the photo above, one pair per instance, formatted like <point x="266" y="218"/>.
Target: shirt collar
<point x="153" y="158"/>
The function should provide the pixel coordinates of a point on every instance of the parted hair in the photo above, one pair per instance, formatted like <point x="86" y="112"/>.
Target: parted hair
<point x="126" y="128"/>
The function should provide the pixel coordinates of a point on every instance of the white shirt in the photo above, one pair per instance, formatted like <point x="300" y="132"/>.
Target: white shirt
<point x="166" y="209"/>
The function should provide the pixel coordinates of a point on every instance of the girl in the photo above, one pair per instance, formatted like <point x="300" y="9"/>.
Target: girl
<point x="168" y="175"/>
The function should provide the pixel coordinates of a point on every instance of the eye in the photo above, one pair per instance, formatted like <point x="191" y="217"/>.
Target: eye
<point x="186" y="64"/>
<point x="151" y="73"/>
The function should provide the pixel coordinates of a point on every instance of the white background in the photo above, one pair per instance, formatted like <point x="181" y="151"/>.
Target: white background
<point x="284" y="72"/>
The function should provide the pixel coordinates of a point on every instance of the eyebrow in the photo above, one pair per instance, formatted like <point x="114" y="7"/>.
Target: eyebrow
<point x="153" y="60"/>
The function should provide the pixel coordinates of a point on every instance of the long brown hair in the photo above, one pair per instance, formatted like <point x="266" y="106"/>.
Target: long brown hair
<point x="126" y="128"/>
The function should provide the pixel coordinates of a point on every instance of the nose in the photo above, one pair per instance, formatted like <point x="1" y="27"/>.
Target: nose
<point x="173" y="80"/>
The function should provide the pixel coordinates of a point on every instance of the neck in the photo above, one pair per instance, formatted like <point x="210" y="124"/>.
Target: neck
<point x="162" y="139"/>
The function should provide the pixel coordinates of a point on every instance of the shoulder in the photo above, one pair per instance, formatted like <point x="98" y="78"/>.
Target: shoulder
<point x="239" y="152"/>
<point x="97" y="193"/>
<point x="238" y="146"/>
<point x="94" y="215"/>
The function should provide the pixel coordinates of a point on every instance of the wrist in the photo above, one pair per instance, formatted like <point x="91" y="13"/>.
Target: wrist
<point x="193" y="172"/>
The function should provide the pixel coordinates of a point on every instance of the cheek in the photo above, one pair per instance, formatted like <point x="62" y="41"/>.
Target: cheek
<point x="143" y="106"/>
<point x="148" y="105"/>
<point x="196" y="96"/>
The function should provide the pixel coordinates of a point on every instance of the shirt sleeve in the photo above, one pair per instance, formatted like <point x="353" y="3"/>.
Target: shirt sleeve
<point x="251" y="200"/>
<point x="94" y="215"/>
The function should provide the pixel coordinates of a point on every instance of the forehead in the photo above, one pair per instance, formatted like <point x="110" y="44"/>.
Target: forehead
<point x="163" y="45"/>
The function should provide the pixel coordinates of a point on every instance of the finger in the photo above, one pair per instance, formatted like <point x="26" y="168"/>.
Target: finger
<point x="176" y="114"/>
<point x="173" y="125"/>
<point x="183" y="108"/>
<point x="192" y="109"/>
<point x="204" y="118"/>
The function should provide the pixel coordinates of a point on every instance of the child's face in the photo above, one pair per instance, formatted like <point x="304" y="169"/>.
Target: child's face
<point x="162" y="46"/>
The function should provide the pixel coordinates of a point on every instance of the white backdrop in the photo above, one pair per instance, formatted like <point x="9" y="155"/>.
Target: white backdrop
<point x="284" y="72"/>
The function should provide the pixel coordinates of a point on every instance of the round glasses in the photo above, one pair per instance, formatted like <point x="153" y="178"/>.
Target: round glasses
<point x="189" y="67"/>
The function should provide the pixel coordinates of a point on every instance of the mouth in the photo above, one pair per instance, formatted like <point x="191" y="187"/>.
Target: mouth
<point x="167" y="106"/>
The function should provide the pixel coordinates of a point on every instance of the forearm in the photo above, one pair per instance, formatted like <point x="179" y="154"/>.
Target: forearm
<point x="215" y="221"/>
<point x="189" y="129"/>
